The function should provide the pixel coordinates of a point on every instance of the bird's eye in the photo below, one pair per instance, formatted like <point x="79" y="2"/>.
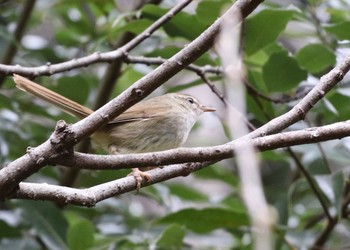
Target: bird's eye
<point x="190" y="100"/>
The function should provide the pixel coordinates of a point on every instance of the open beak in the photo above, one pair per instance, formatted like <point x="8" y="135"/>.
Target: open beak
<point x="207" y="109"/>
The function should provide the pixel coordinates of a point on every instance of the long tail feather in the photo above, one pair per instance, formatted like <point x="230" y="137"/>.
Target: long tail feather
<point x="45" y="94"/>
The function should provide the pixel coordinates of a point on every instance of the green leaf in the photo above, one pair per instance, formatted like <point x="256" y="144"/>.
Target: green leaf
<point x="5" y="102"/>
<point x="187" y="193"/>
<point x="325" y="185"/>
<point x="67" y="37"/>
<point x="209" y="10"/>
<point x="80" y="235"/>
<point x="234" y="202"/>
<point x="129" y="76"/>
<point x="171" y="238"/>
<point x="48" y="222"/>
<point x="264" y="28"/>
<point x="260" y="57"/>
<point x="338" y="99"/>
<point x="8" y="231"/>
<point x="178" y="26"/>
<point x="218" y="173"/>
<point x="337" y="181"/>
<point x="75" y="88"/>
<point x="282" y="73"/>
<point x="338" y="15"/>
<point x="208" y="219"/>
<point x="165" y="52"/>
<point x="134" y="26"/>
<point x="315" y="57"/>
<point x="341" y="30"/>
<point x="197" y="82"/>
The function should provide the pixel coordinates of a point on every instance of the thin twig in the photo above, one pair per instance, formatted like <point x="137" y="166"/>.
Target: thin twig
<point x="278" y="100"/>
<point x="200" y="71"/>
<point x="323" y="154"/>
<point x="312" y="183"/>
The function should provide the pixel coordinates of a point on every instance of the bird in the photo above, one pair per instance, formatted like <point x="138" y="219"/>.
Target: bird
<point x="156" y="124"/>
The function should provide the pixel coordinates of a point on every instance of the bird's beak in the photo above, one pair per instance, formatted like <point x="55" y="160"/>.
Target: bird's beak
<point x="207" y="109"/>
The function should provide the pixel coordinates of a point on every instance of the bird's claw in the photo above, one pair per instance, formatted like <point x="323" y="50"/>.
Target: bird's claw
<point x="138" y="175"/>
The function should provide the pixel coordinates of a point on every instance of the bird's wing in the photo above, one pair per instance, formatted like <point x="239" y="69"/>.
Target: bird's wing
<point x="137" y="113"/>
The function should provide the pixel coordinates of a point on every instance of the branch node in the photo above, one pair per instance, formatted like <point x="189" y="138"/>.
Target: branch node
<point x="29" y="150"/>
<point x="62" y="133"/>
<point x="98" y="54"/>
<point x="339" y="74"/>
<point x="138" y="92"/>
<point x="301" y="112"/>
<point x="104" y="117"/>
<point x="189" y="168"/>
<point x="60" y="126"/>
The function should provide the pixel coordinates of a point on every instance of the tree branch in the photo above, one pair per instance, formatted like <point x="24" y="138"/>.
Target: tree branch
<point x="209" y="155"/>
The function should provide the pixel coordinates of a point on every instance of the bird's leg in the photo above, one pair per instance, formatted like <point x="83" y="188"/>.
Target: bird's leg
<point x="137" y="173"/>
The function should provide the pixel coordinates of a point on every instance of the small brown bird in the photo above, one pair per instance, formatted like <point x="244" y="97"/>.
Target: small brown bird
<point x="159" y="123"/>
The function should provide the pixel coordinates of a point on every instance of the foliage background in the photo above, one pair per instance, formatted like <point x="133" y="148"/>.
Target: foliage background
<point x="286" y="47"/>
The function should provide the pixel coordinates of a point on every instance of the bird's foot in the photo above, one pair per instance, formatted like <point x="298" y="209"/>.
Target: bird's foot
<point x="138" y="175"/>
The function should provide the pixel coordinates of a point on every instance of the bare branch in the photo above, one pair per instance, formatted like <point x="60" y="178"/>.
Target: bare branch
<point x="90" y="196"/>
<point x="208" y="156"/>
